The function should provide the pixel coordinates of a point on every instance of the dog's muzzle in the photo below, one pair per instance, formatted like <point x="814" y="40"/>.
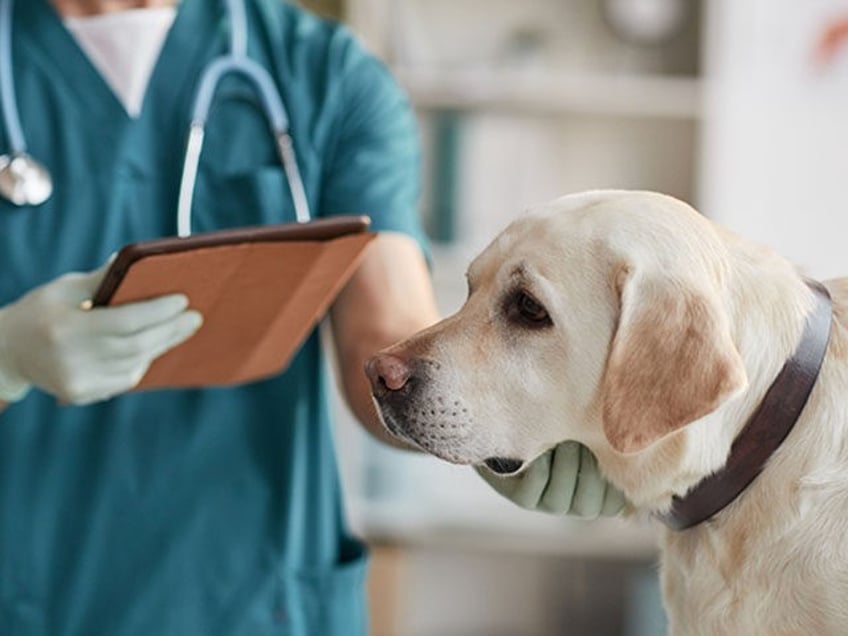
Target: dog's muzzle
<point x="412" y="408"/>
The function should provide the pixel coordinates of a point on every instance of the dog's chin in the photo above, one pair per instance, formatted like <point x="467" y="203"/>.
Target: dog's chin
<point x="443" y="447"/>
<point x="445" y="453"/>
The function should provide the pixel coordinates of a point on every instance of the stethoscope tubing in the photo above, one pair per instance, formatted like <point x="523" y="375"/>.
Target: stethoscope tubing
<point x="238" y="27"/>
<point x="8" y="99"/>
<point x="235" y="61"/>
<point x="275" y="112"/>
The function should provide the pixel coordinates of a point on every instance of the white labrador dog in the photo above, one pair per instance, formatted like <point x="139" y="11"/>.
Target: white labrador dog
<point x="630" y="323"/>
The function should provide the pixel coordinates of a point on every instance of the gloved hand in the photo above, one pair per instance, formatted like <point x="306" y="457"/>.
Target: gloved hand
<point x="81" y="356"/>
<point x="565" y="480"/>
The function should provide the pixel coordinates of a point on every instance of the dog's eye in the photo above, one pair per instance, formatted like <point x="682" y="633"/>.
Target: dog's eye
<point x="529" y="311"/>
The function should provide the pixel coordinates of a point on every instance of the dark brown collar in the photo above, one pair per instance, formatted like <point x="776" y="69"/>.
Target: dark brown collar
<point x="768" y="426"/>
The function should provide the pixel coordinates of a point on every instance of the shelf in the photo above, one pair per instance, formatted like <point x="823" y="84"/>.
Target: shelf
<point x="512" y="531"/>
<point x="539" y="92"/>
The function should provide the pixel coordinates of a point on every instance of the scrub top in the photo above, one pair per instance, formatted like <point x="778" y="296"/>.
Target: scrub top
<point x="195" y="512"/>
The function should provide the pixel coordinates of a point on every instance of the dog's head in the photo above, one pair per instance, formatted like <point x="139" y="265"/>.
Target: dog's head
<point x="597" y="318"/>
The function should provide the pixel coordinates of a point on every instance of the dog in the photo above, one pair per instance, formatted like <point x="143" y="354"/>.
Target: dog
<point x="629" y="322"/>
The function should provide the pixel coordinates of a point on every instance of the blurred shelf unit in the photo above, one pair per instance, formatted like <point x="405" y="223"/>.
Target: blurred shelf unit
<point x="551" y="93"/>
<point x="572" y="54"/>
<point x="521" y="102"/>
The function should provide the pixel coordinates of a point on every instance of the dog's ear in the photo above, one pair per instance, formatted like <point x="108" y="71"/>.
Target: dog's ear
<point x="672" y="361"/>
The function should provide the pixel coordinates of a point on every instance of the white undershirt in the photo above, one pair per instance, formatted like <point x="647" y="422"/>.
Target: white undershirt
<point x="124" y="47"/>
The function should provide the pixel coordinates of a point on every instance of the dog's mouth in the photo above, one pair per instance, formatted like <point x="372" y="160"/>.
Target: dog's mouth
<point x="503" y="465"/>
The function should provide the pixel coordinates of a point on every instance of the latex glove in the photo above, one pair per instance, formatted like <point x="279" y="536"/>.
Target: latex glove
<point x="565" y="480"/>
<point x="79" y="356"/>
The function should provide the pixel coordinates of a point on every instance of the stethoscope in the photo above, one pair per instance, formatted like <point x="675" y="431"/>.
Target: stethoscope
<point x="26" y="182"/>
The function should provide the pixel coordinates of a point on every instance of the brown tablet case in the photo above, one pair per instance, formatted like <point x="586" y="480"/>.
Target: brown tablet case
<point x="260" y="290"/>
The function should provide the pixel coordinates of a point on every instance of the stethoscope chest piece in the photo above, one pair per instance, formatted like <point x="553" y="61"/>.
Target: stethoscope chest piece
<point x="23" y="180"/>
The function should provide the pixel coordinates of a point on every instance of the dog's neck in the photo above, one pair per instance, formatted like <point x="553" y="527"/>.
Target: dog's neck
<point x="767" y="427"/>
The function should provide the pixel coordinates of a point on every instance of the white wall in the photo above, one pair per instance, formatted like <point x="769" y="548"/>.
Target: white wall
<point x="775" y="133"/>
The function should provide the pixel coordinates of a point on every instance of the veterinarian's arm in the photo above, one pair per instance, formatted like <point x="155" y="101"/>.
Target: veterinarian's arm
<point x="388" y="299"/>
<point x="565" y="480"/>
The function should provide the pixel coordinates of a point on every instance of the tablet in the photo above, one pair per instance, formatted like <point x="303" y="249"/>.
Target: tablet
<point x="261" y="291"/>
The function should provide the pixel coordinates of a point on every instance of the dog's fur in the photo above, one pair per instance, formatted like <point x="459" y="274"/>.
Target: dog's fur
<point x="664" y="333"/>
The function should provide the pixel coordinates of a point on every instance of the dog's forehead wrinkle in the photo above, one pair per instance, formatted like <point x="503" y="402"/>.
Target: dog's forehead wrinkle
<point x="520" y="273"/>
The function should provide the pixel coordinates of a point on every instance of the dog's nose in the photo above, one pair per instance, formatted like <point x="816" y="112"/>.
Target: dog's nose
<point x="387" y="373"/>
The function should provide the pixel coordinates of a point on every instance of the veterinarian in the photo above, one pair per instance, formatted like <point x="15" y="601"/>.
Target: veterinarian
<point x="203" y="511"/>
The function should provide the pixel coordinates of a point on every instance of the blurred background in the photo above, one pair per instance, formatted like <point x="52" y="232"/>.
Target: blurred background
<point x="739" y="107"/>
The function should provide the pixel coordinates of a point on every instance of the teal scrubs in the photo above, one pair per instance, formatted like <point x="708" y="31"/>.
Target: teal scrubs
<point x="196" y="512"/>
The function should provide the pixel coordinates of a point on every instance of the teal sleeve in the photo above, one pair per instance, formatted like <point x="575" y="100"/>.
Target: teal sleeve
<point x="375" y="164"/>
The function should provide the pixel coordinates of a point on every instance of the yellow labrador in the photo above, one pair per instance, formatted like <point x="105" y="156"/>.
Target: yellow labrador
<point x="630" y="323"/>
